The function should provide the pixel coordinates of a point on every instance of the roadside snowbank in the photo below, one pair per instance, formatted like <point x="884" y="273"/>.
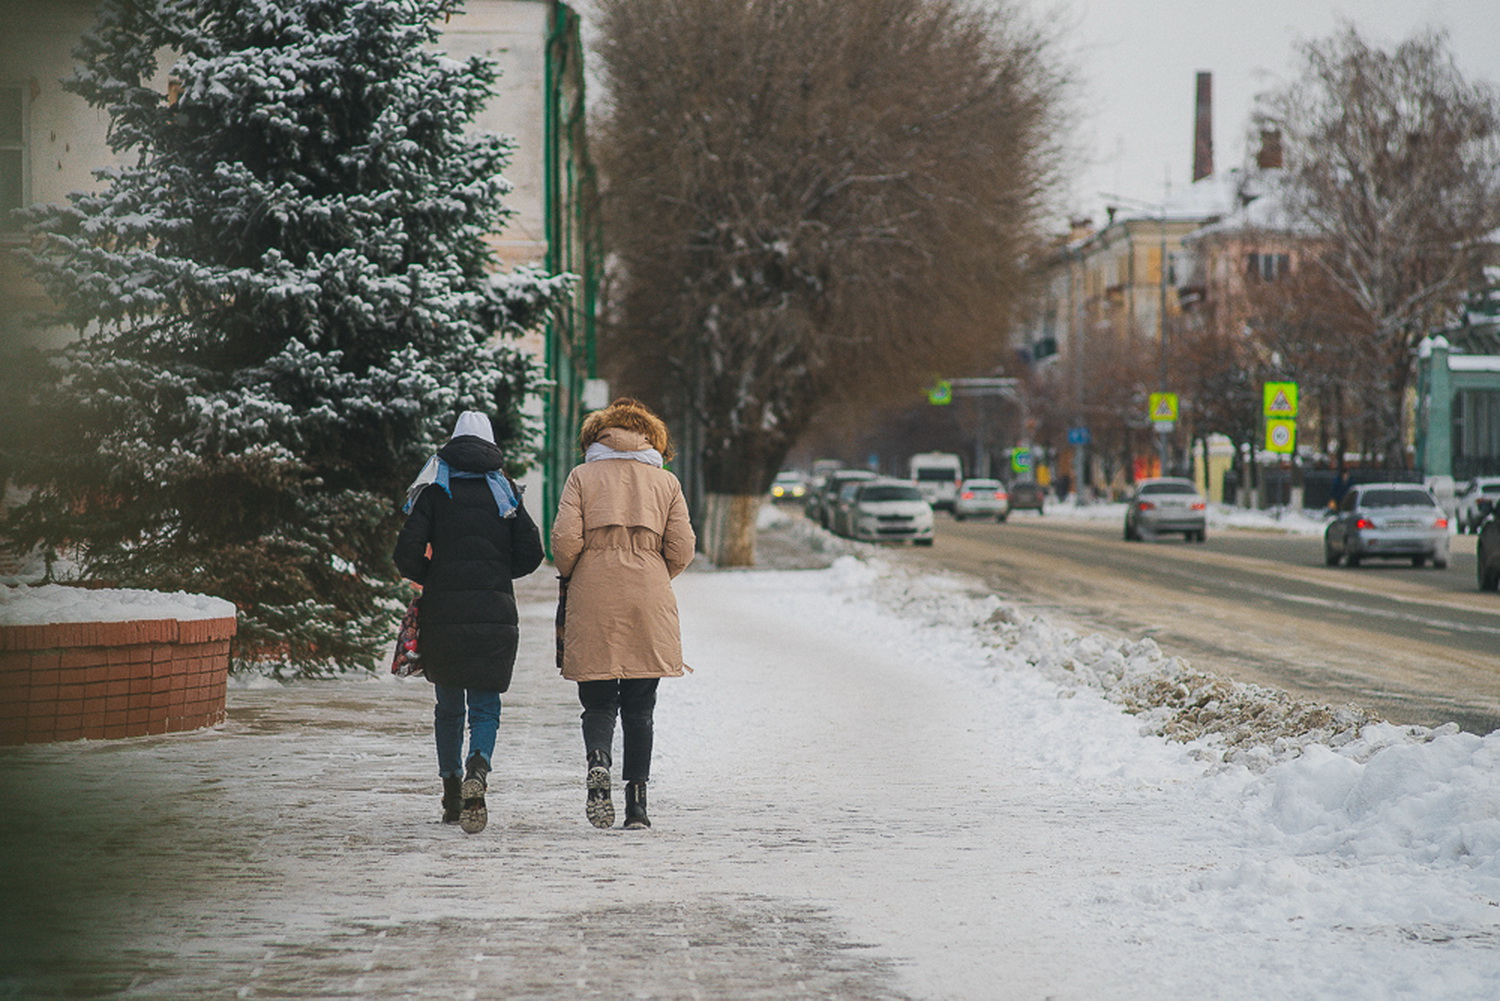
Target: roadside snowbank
<point x="1295" y="521"/>
<point x="1440" y="787"/>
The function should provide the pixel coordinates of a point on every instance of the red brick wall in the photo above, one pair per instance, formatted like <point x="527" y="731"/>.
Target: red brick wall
<point x="111" y="679"/>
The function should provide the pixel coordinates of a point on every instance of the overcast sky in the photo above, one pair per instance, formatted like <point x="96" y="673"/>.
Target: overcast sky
<point x="1137" y="60"/>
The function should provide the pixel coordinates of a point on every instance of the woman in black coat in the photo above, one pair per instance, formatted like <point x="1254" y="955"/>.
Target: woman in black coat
<point x="464" y="507"/>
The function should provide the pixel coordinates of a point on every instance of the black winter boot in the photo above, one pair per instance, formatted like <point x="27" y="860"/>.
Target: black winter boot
<point x="473" y="816"/>
<point x="598" y="808"/>
<point x="635" y="806"/>
<point x="452" y="799"/>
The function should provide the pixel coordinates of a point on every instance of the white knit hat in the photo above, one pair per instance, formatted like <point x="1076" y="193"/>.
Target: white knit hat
<point x="472" y="422"/>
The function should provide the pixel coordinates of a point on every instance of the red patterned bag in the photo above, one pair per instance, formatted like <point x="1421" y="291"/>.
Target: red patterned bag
<point x="406" y="661"/>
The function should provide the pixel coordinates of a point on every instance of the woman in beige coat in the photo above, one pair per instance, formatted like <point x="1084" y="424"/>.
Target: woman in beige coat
<point x="621" y="534"/>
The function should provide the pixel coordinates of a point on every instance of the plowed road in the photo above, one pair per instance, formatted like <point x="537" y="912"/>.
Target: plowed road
<point x="1417" y="646"/>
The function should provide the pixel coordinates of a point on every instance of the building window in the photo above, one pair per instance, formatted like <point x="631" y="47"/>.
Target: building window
<point x="1267" y="267"/>
<point x="12" y="154"/>
<point x="1476" y="433"/>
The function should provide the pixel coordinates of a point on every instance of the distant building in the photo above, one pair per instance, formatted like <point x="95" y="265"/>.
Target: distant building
<point x="1458" y="391"/>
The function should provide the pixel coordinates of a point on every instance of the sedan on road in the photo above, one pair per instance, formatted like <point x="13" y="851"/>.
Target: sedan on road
<point x="1166" y="504"/>
<point x="819" y="506"/>
<point x="789" y="485"/>
<point x="886" y="511"/>
<point x="1488" y="550"/>
<point x="1388" y="521"/>
<point x="981" y="499"/>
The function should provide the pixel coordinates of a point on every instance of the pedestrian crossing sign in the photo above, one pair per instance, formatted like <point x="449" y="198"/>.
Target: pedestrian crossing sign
<point x="1163" y="406"/>
<point x="940" y="394"/>
<point x="1280" y="399"/>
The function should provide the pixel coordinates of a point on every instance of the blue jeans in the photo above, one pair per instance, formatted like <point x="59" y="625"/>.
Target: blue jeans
<point x="448" y="726"/>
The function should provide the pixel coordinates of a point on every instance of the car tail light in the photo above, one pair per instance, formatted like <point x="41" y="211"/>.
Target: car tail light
<point x="1364" y="523"/>
<point x="1000" y="495"/>
<point x="1440" y="523"/>
<point x="967" y="495"/>
<point x="1199" y="506"/>
<point x="1145" y="506"/>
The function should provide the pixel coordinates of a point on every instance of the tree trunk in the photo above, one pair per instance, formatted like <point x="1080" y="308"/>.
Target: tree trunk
<point x="729" y="529"/>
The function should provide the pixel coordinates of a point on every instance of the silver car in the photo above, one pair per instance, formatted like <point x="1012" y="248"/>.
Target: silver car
<point x="1166" y="504"/>
<point x="981" y="499"/>
<point x="1389" y="521"/>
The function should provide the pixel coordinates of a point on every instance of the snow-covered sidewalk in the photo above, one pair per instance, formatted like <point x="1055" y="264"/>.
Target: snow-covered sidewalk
<point x="875" y="785"/>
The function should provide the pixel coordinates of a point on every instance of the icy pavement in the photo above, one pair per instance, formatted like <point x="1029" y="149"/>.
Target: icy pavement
<point x="874" y="786"/>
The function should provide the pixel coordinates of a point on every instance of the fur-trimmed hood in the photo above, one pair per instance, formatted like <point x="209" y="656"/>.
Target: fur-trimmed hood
<point x="628" y="415"/>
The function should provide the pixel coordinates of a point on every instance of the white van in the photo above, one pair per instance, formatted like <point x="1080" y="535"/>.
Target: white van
<point x="937" y="476"/>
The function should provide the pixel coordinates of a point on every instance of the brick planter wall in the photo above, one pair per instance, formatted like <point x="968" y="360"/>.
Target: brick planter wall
<point x="71" y="680"/>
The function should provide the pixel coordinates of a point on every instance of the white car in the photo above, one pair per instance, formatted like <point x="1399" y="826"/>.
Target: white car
<point x="1467" y="515"/>
<point x="981" y="499"/>
<point x="888" y="511"/>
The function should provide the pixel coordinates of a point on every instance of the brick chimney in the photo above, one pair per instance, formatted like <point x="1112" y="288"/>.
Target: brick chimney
<point x="1203" y="127"/>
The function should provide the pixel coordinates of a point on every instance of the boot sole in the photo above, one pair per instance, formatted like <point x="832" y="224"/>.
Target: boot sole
<point x="473" y="816"/>
<point x="598" y="808"/>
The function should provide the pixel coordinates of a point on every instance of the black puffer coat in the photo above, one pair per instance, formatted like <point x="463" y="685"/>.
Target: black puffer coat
<point x="467" y="633"/>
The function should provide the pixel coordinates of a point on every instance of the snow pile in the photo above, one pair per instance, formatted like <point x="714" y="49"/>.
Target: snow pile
<point x="1232" y="722"/>
<point x="53" y="603"/>
<point x="1243" y="723"/>
<point x="1248" y="724"/>
<point x="1384" y="796"/>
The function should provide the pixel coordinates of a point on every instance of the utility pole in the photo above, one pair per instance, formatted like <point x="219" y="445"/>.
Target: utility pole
<point x="983" y="388"/>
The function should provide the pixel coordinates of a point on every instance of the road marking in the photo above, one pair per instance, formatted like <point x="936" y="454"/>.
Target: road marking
<point x="1343" y="606"/>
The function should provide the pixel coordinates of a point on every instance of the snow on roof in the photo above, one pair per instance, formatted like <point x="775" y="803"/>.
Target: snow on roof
<point x="49" y="603"/>
<point x="1263" y="204"/>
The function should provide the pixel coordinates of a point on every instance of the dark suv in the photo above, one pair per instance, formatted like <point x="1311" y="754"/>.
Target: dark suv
<point x="1488" y="547"/>
<point x="1027" y="495"/>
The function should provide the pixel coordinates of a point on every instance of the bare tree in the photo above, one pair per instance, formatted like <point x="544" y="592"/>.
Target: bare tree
<point x="1393" y="156"/>
<point x="806" y="202"/>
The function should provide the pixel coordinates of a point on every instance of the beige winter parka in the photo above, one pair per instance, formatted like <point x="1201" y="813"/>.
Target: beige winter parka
<point x="621" y="534"/>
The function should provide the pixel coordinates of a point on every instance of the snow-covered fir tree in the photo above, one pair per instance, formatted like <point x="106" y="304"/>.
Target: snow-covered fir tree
<point x="281" y="304"/>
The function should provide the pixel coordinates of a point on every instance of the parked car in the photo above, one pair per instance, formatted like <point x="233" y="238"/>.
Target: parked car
<point x="981" y="499"/>
<point x="789" y="485"/>
<point x="937" y="476"/>
<point x="1027" y="495"/>
<point x="820" y="502"/>
<point x="1466" y="513"/>
<point x="1487" y="549"/>
<point x="1388" y="521"/>
<point x="1166" y="504"/>
<point x="885" y="510"/>
<point x="841" y="503"/>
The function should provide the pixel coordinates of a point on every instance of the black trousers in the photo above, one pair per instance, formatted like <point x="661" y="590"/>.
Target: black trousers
<point x="633" y="700"/>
